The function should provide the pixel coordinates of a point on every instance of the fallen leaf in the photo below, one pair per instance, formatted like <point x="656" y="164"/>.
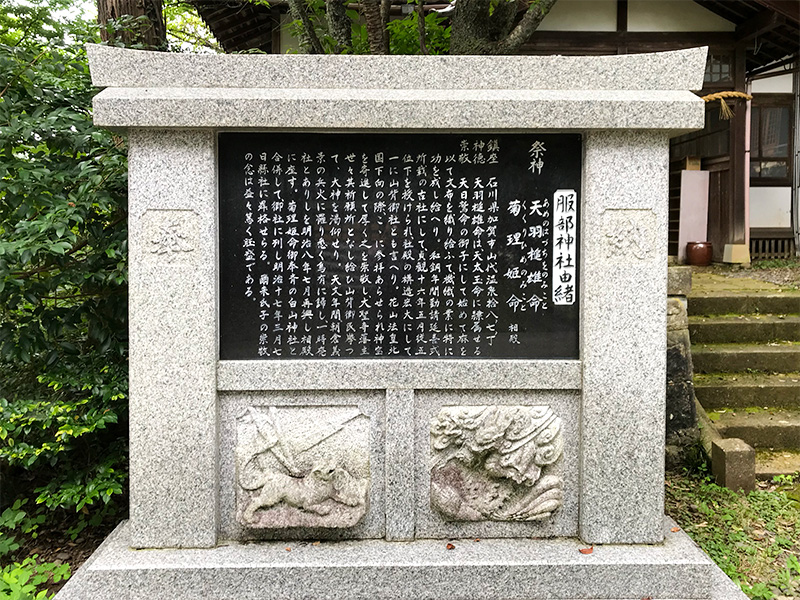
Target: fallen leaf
<point x="315" y="543"/>
<point x="451" y="547"/>
<point x="477" y="539"/>
<point x="288" y="549"/>
<point x="586" y="550"/>
<point x="675" y="529"/>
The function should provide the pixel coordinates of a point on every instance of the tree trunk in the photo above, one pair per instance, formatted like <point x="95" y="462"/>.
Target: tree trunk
<point x="375" y="26"/>
<point x="150" y="31"/>
<point x="309" y="40"/>
<point x="536" y="12"/>
<point x="339" y="25"/>
<point x="479" y="29"/>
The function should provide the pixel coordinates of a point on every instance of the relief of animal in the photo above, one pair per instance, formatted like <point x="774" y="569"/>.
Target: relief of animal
<point x="309" y="493"/>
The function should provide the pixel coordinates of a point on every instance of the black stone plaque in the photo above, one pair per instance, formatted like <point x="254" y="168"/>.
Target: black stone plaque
<point x="399" y="245"/>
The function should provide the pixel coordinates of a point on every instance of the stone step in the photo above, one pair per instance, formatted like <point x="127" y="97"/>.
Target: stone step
<point x="774" y="428"/>
<point x="744" y="328"/>
<point x="775" y="357"/>
<point x="771" y="463"/>
<point x="535" y="569"/>
<point x="740" y="390"/>
<point x="779" y="303"/>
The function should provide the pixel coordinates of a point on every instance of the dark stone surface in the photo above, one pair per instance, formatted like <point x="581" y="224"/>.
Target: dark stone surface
<point x="734" y="464"/>
<point x="683" y="449"/>
<point x="680" y="390"/>
<point x="347" y="246"/>
<point x="679" y="281"/>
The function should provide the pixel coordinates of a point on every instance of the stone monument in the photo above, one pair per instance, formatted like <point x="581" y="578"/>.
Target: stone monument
<point x="397" y="327"/>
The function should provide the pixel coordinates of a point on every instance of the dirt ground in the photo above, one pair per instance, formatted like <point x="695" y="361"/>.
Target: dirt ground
<point x="784" y="273"/>
<point x="54" y="545"/>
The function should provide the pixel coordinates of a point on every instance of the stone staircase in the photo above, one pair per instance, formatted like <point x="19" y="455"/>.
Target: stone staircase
<point x="746" y="356"/>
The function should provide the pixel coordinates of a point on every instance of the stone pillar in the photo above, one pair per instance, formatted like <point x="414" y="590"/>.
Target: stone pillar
<point x="623" y="319"/>
<point x="173" y="338"/>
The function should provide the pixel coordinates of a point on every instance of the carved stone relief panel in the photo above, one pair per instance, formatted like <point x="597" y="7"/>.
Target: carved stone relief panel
<point x="170" y="235"/>
<point x="490" y="463"/>
<point x="301" y="466"/>
<point x="630" y="233"/>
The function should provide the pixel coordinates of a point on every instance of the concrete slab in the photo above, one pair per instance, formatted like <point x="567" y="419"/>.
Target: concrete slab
<point x="704" y="282"/>
<point x="722" y="588"/>
<point x="770" y="463"/>
<point x="742" y="390"/>
<point x="679" y="280"/>
<point x="744" y="328"/>
<point x="734" y="464"/>
<point x="777" y="357"/>
<point x="731" y="302"/>
<point x="421" y="570"/>
<point x="773" y="428"/>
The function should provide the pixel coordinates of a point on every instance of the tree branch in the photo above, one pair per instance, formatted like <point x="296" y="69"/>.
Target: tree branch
<point x="339" y="25"/>
<point x="194" y="38"/>
<point x="309" y="39"/>
<point x="386" y="6"/>
<point x="537" y="11"/>
<point x="421" y="27"/>
<point x="502" y="19"/>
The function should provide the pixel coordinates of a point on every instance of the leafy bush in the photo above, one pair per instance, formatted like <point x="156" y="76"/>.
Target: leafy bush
<point x="404" y="35"/>
<point x="26" y="580"/>
<point x="63" y="269"/>
<point x="15" y="519"/>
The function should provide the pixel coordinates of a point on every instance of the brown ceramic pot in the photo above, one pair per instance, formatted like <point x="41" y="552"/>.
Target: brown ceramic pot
<point x="698" y="253"/>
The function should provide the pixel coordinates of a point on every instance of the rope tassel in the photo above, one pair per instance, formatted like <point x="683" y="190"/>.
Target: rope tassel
<point x="725" y="111"/>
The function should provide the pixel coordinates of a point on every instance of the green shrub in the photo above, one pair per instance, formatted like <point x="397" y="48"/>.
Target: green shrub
<point x="28" y="579"/>
<point x="63" y="269"/>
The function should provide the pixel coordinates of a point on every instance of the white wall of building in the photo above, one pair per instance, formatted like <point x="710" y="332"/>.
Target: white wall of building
<point x="780" y="84"/>
<point x="770" y="207"/>
<point x="643" y="15"/>
<point x="675" y="15"/>
<point x="581" y="15"/>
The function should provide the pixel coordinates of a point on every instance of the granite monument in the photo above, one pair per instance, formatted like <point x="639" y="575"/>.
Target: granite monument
<point x="397" y="327"/>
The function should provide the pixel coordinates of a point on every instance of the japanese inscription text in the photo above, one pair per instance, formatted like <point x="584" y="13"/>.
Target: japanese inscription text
<point x="399" y="245"/>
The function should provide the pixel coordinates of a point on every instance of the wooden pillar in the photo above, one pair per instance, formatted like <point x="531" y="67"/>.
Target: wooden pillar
<point x="622" y="26"/>
<point x="275" y="46"/>
<point x="737" y="222"/>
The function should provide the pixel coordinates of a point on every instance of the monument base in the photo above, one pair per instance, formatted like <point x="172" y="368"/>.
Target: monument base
<point x="424" y="569"/>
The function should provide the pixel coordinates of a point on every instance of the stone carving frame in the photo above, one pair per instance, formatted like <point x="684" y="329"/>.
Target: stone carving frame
<point x="492" y="463"/>
<point x="563" y="404"/>
<point x="183" y="401"/>
<point x="327" y="519"/>
<point x="301" y="466"/>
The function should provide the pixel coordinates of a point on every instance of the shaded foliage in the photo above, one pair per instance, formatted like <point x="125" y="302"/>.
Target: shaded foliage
<point x="63" y="269"/>
<point x="469" y="27"/>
